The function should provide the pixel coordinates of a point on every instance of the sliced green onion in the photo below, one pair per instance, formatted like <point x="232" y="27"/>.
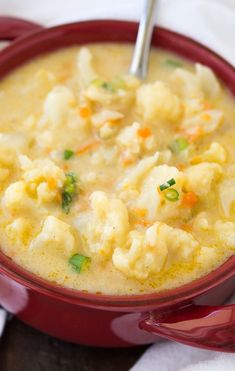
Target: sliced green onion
<point x="179" y="145"/>
<point x="167" y="184"/>
<point x="171" y="195"/>
<point x="173" y="63"/>
<point x="68" y="153"/>
<point x="69" y="191"/>
<point x="104" y="85"/>
<point x="79" y="262"/>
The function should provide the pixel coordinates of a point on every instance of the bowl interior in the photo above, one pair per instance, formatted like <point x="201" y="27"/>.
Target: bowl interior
<point x="54" y="38"/>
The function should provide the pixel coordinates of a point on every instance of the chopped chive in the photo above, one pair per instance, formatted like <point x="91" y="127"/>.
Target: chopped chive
<point x="167" y="184"/>
<point x="108" y="86"/>
<point x="173" y="63"/>
<point x="179" y="145"/>
<point x="68" y="153"/>
<point x="79" y="262"/>
<point x="104" y="85"/>
<point x="171" y="195"/>
<point x="69" y="191"/>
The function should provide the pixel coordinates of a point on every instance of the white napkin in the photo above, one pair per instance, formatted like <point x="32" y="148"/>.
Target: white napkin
<point x="208" y="21"/>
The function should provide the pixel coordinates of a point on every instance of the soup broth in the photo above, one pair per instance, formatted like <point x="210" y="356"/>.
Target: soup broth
<point x="114" y="185"/>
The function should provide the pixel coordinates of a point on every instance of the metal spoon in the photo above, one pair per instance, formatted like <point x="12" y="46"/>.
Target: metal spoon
<point x="140" y="59"/>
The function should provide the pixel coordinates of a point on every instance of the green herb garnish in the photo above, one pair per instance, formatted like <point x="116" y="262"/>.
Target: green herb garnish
<point x="167" y="184"/>
<point x="103" y="84"/>
<point x="112" y="86"/>
<point x="179" y="145"/>
<point x="69" y="191"/>
<point x="79" y="262"/>
<point x="173" y="63"/>
<point x="171" y="195"/>
<point x="68" y="153"/>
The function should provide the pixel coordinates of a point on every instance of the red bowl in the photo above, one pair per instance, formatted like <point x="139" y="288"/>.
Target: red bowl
<point x="187" y="314"/>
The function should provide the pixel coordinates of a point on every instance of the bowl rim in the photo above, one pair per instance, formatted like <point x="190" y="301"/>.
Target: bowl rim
<point x="176" y="43"/>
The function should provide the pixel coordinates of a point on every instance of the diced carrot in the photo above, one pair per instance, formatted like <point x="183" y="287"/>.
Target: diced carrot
<point x="84" y="112"/>
<point x="189" y="199"/>
<point x="193" y="137"/>
<point x="181" y="167"/>
<point x="144" y="223"/>
<point x="140" y="212"/>
<point x="126" y="160"/>
<point x="87" y="147"/>
<point x="65" y="167"/>
<point x="206" y="117"/>
<point x="51" y="183"/>
<point x="144" y="133"/>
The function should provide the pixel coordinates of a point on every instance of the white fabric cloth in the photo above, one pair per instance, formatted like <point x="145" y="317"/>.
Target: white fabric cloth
<point x="208" y="21"/>
<point x="3" y="318"/>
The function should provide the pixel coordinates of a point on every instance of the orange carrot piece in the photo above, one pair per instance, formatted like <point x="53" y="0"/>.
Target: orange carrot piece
<point x="51" y="183"/>
<point x="195" y="136"/>
<point x="206" y="117"/>
<point x="189" y="199"/>
<point x="144" y="133"/>
<point x="144" y="223"/>
<point x="140" y="212"/>
<point x="87" y="147"/>
<point x="84" y="112"/>
<point x="181" y="167"/>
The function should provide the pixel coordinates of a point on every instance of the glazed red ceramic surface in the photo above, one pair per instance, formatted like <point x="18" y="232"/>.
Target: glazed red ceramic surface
<point x="190" y="314"/>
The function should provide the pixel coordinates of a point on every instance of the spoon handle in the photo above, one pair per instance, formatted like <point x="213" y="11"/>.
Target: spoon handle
<point x="139" y="64"/>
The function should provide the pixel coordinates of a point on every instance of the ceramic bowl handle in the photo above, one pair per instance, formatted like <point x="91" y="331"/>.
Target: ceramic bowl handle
<point x="206" y="327"/>
<point x="12" y="28"/>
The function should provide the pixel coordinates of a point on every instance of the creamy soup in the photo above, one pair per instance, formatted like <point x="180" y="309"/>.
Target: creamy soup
<point x="114" y="185"/>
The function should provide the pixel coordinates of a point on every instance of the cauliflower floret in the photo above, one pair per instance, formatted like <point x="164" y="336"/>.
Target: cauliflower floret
<point x="131" y="142"/>
<point x="156" y="249"/>
<point x="19" y="230"/>
<point x="199" y="178"/>
<point x="135" y="175"/>
<point x="85" y="69"/>
<point x="227" y="195"/>
<point x="16" y="198"/>
<point x="201" y="84"/>
<point x="192" y="106"/>
<point x="43" y="177"/>
<point x="227" y="191"/>
<point x="206" y="256"/>
<point x="55" y="236"/>
<point x="150" y="198"/>
<point x="157" y="101"/>
<point x="215" y="153"/>
<point x="203" y="123"/>
<point x="202" y="222"/>
<point x="109" y="224"/>
<point x="10" y="146"/>
<point x="208" y="81"/>
<point x="100" y="118"/>
<point x="59" y="106"/>
<point x="226" y="233"/>
<point x="107" y="121"/>
<point x="187" y="83"/>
